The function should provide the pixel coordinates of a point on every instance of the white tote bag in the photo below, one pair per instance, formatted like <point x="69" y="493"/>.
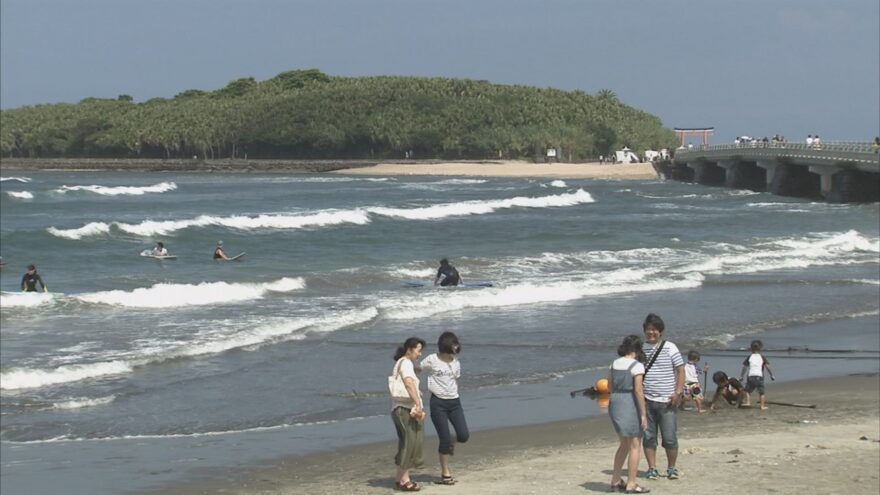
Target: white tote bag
<point x="395" y="383"/>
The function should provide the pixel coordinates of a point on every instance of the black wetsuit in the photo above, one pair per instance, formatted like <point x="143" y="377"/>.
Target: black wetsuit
<point x="451" y="275"/>
<point x="29" y="282"/>
<point x="217" y="253"/>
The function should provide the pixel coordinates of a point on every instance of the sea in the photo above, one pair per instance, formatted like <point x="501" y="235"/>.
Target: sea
<point x="133" y="374"/>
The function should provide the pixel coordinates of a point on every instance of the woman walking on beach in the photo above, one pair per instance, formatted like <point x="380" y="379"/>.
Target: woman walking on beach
<point x="408" y="414"/>
<point x="627" y="411"/>
<point x="443" y="371"/>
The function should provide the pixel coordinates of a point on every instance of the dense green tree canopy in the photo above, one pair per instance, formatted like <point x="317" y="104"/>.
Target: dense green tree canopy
<point x="308" y="114"/>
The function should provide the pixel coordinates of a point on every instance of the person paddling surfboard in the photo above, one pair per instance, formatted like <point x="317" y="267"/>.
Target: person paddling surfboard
<point x="220" y="255"/>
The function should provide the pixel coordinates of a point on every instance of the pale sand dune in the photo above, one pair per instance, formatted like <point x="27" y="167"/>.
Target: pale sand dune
<point x="511" y="169"/>
<point x="784" y="451"/>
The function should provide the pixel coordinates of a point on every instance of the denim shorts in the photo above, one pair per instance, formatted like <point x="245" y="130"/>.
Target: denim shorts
<point x="755" y="382"/>
<point x="661" y="415"/>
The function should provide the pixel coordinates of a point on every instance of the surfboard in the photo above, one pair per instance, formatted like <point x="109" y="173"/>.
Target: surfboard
<point x="146" y="254"/>
<point x="237" y="257"/>
<point x="464" y="285"/>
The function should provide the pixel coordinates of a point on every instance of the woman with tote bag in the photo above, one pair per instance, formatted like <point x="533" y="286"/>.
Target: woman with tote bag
<point x="407" y="412"/>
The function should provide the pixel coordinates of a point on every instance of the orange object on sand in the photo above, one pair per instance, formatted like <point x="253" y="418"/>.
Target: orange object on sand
<point x="602" y="385"/>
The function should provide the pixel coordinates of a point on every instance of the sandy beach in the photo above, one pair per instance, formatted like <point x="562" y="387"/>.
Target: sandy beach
<point x="786" y="450"/>
<point x="511" y="168"/>
<point x="473" y="168"/>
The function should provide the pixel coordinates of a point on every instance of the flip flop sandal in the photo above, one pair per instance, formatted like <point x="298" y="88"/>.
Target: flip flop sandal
<point x="620" y="486"/>
<point x="446" y="480"/>
<point x="409" y="486"/>
<point x="638" y="489"/>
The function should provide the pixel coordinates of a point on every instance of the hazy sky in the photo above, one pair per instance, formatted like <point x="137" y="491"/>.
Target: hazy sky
<point x="756" y="67"/>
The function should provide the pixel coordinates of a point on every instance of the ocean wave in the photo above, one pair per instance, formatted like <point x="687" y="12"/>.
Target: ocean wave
<point x="121" y="190"/>
<point x="359" y="216"/>
<point x="558" y="183"/>
<point x="21" y="378"/>
<point x="207" y="342"/>
<point x="442" y="301"/>
<point x="484" y="207"/>
<point x="25" y="299"/>
<point x="16" y="179"/>
<point x="168" y="436"/>
<point x="20" y="194"/>
<point x="179" y="295"/>
<point x="82" y="403"/>
<point x="87" y="230"/>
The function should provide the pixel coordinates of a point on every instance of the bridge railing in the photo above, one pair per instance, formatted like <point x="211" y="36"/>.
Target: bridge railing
<point x="852" y="146"/>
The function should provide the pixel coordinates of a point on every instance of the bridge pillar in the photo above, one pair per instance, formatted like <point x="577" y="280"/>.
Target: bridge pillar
<point x="707" y="173"/>
<point x="743" y="175"/>
<point x="854" y="186"/>
<point x="795" y="180"/>
<point x="770" y="167"/>
<point x="826" y="175"/>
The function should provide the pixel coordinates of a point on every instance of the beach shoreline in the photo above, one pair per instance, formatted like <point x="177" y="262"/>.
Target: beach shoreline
<point x="466" y="168"/>
<point x="830" y="449"/>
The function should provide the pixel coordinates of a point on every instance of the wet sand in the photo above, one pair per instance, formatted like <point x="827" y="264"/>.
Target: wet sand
<point x="786" y="450"/>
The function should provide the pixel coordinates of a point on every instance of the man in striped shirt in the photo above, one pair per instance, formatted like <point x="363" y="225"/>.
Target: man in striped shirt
<point x="664" y="382"/>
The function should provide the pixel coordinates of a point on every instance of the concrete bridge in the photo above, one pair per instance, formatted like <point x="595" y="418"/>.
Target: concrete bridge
<point x="839" y="172"/>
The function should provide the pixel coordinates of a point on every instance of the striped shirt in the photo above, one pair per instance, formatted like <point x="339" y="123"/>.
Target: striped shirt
<point x="660" y="379"/>
<point x="442" y="376"/>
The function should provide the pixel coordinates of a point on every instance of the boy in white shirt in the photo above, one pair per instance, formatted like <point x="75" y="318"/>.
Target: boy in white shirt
<point x="754" y="365"/>
<point x="692" y="374"/>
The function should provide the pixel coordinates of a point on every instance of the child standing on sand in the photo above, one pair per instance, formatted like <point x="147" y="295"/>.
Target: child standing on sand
<point x="754" y="365"/>
<point x="692" y="375"/>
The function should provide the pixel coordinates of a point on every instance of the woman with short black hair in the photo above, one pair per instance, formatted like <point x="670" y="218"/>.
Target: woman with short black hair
<point x="444" y="370"/>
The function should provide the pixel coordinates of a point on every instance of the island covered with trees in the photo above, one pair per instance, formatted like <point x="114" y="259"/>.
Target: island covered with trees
<point x="306" y="114"/>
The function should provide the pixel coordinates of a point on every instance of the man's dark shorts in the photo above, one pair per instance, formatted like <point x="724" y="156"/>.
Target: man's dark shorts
<point x="661" y="416"/>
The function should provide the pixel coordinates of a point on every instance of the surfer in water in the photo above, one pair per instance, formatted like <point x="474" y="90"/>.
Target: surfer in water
<point x="30" y="279"/>
<point x="218" y="252"/>
<point x="447" y="274"/>
<point x="159" y="250"/>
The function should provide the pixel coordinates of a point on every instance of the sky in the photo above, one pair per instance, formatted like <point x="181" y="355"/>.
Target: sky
<point x="754" y="67"/>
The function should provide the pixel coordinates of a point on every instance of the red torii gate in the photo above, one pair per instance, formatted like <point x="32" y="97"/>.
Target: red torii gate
<point x="684" y="132"/>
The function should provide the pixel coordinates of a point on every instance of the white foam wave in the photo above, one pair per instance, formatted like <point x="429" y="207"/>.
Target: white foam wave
<point x="121" y="190"/>
<point x="21" y="378"/>
<point x="255" y="429"/>
<point x="178" y="295"/>
<point x="461" y="181"/>
<point x="413" y="272"/>
<point x="17" y="179"/>
<point x="865" y="281"/>
<point x="88" y="230"/>
<point x="20" y="194"/>
<point x="359" y="216"/>
<point x="523" y="294"/>
<point x="484" y="207"/>
<point x="207" y="342"/>
<point x="559" y="183"/>
<point x="25" y="299"/>
<point x="81" y="403"/>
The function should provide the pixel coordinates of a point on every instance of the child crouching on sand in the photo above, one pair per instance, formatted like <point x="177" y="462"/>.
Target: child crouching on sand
<point x="730" y="389"/>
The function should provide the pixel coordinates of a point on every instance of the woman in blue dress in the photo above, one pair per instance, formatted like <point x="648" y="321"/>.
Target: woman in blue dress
<point x="627" y="411"/>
